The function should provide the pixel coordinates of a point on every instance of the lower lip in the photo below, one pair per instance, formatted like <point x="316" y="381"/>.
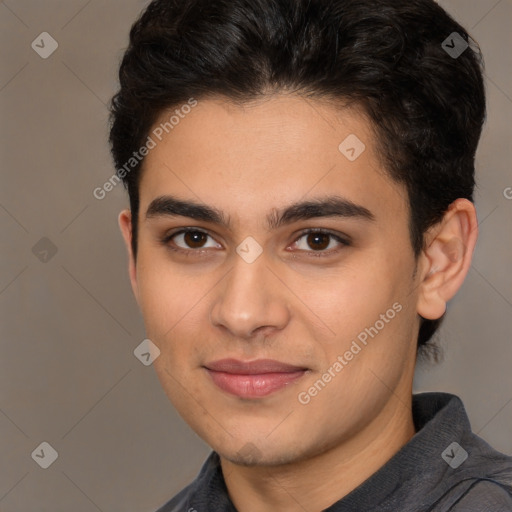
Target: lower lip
<point x="254" y="386"/>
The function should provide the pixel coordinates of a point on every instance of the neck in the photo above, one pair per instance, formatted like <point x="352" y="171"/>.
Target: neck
<point x="316" y="483"/>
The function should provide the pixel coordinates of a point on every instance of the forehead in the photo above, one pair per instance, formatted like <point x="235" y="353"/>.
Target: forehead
<point x="265" y="154"/>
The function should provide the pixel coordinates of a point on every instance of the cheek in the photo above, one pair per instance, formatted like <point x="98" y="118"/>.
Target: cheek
<point x="174" y="306"/>
<point x="349" y="299"/>
<point x="368" y="317"/>
<point x="163" y="294"/>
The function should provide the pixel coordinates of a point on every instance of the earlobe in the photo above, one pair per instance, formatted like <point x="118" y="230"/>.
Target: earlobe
<point x="125" y="224"/>
<point x="447" y="258"/>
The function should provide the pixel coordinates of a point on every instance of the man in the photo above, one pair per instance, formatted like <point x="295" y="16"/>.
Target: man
<point x="300" y="177"/>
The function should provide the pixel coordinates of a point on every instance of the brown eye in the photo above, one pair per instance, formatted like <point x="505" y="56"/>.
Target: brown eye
<point x="318" y="241"/>
<point x="191" y="240"/>
<point x="195" y="239"/>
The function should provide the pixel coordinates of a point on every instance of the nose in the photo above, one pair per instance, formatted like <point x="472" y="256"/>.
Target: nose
<point x="250" y="301"/>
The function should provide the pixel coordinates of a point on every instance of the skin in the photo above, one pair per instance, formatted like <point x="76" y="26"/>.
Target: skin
<point x="289" y="304"/>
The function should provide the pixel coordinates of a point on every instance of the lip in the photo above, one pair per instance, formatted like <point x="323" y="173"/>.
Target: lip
<point x="253" y="379"/>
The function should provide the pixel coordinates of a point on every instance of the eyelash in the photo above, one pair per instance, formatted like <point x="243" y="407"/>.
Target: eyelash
<point x="315" y="254"/>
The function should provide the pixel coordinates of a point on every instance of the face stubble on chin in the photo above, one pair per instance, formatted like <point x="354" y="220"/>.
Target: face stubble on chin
<point x="288" y="305"/>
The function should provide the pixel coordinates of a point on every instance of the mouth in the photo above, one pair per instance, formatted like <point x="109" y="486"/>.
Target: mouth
<point x="253" y="379"/>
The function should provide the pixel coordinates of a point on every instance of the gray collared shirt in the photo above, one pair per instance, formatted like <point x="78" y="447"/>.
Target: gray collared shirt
<point x="443" y="468"/>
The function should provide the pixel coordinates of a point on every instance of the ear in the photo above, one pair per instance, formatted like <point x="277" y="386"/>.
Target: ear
<point x="446" y="259"/>
<point x="125" y="223"/>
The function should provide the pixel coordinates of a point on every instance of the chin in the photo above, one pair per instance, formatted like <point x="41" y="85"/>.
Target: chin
<point x="257" y="454"/>
<point x="253" y="460"/>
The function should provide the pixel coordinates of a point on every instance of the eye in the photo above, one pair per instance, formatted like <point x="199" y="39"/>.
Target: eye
<point x="314" y="242"/>
<point x="189" y="240"/>
<point x="319" y="241"/>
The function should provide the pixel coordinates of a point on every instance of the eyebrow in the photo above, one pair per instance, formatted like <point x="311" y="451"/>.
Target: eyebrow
<point x="331" y="206"/>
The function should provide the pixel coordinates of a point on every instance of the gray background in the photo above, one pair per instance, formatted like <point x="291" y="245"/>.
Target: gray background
<point x="68" y="375"/>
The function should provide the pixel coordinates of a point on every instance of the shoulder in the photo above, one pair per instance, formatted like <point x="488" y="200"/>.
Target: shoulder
<point x="207" y="486"/>
<point x="180" y="502"/>
<point x="485" y="495"/>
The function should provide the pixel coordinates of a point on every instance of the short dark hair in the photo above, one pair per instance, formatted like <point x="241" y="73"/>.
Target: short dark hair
<point x="427" y="106"/>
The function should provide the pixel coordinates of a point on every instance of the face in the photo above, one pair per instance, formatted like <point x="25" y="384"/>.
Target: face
<point x="275" y="274"/>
